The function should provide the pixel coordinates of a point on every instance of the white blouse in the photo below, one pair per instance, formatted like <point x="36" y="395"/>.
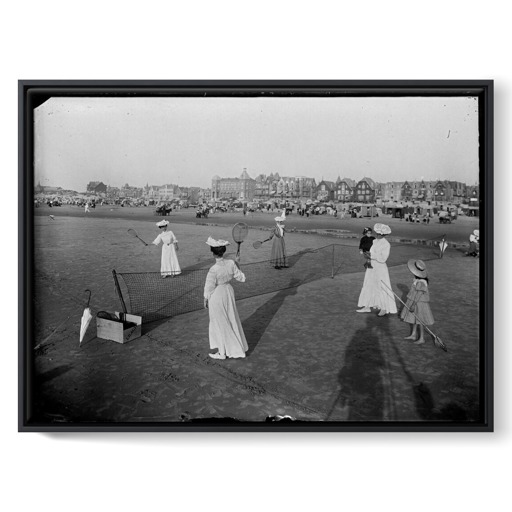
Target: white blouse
<point x="221" y="273"/>
<point x="166" y="237"/>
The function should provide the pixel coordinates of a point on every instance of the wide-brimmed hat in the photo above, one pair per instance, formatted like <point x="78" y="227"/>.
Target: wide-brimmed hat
<point x="162" y="223"/>
<point x="282" y="218"/>
<point x="418" y="268"/>
<point x="216" y="243"/>
<point x="382" y="229"/>
<point x="476" y="232"/>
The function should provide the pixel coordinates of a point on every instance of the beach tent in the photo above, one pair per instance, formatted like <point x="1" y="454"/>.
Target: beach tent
<point x="396" y="211"/>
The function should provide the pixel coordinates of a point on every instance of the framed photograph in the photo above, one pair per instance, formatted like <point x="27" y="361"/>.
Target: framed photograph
<point x="255" y="256"/>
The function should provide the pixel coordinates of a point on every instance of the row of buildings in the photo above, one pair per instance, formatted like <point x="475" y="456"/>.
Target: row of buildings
<point x="263" y="188"/>
<point x="365" y="190"/>
<point x="157" y="193"/>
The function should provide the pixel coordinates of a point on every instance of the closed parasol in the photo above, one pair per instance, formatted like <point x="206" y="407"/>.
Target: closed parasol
<point x="86" y="318"/>
<point x="442" y="247"/>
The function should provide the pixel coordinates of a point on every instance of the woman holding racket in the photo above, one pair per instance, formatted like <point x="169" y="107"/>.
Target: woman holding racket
<point x="225" y="330"/>
<point x="169" y="264"/>
<point x="278" y="253"/>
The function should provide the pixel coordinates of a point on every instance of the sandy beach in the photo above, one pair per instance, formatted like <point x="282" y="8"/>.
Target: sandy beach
<point x="310" y="355"/>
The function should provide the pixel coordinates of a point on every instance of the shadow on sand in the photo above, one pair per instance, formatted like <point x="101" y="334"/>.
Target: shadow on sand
<point x="365" y="381"/>
<point x="361" y="394"/>
<point x="256" y="325"/>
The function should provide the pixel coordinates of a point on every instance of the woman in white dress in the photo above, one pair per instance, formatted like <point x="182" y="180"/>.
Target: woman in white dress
<point x="169" y="264"/>
<point x="374" y="294"/>
<point x="225" y="331"/>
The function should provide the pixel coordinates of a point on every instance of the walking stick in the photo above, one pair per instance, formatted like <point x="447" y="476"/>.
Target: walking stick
<point x="437" y="340"/>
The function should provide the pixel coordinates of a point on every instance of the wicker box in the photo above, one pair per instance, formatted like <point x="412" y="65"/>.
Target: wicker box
<point x="120" y="332"/>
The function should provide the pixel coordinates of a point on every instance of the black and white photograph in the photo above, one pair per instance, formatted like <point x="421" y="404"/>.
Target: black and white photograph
<point x="260" y="256"/>
<point x="257" y="255"/>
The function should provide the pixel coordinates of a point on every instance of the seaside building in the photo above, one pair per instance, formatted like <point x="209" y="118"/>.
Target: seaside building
<point x="97" y="187"/>
<point x="365" y="191"/>
<point x="345" y="189"/>
<point x="242" y="188"/>
<point x="325" y="190"/>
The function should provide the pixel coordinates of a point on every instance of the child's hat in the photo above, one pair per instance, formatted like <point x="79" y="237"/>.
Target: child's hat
<point x="418" y="268"/>
<point x="366" y="230"/>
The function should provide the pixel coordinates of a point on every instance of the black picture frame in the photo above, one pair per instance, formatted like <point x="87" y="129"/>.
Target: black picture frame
<point x="32" y="93"/>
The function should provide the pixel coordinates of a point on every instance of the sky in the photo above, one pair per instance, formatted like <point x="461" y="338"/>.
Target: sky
<point x="186" y="141"/>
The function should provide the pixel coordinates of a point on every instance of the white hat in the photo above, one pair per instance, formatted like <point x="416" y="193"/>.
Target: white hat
<point x="418" y="268"/>
<point x="476" y="232"/>
<point x="382" y="229"/>
<point x="216" y="243"/>
<point x="282" y="218"/>
<point x="162" y="223"/>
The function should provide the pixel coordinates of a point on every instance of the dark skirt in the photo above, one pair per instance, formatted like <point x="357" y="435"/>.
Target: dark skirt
<point x="278" y="254"/>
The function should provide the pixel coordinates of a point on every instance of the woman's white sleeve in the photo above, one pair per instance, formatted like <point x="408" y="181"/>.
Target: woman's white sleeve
<point x="238" y="274"/>
<point x="157" y="240"/>
<point x="210" y="284"/>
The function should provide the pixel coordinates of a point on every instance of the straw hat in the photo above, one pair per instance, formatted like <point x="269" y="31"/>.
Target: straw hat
<point x="382" y="229"/>
<point x="418" y="268"/>
<point x="216" y="243"/>
<point x="162" y="223"/>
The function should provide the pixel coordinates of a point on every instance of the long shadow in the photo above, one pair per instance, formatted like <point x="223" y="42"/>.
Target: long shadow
<point x="256" y="325"/>
<point x="292" y="260"/>
<point x="424" y="401"/>
<point x="361" y="395"/>
<point x="427" y="410"/>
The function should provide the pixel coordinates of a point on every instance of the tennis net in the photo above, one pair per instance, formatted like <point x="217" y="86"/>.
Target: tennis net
<point x="155" y="298"/>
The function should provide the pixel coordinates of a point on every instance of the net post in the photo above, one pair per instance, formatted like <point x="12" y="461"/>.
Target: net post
<point x="118" y="290"/>
<point x="332" y="263"/>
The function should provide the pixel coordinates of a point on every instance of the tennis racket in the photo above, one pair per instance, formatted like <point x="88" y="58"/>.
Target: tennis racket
<point x="240" y="231"/>
<point x="257" y="244"/>
<point x="133" y="233"/>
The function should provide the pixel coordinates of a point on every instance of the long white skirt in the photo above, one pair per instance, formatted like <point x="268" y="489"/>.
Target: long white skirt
<point x="226" y="332"/>
<point x="169" y="264"/>
<point x="374" y="294"/>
